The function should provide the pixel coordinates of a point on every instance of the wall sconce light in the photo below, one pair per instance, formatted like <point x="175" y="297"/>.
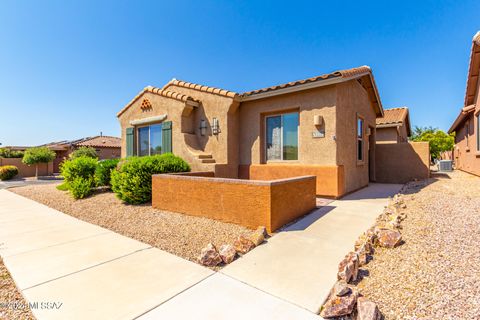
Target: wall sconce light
<point x="215" y="126"/>
<point x="317" y="120"/>
<point x="203" y="127"/>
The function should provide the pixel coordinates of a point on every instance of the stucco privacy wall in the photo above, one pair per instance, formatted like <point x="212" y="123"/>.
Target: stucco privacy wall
<point x="352" y="100"/>
<point x="245" y="202"/>
<point x="44" y="169"/>
<point x="330" y="180"/>
<point x="387" y="135"/>
<point x="402" y="162"/>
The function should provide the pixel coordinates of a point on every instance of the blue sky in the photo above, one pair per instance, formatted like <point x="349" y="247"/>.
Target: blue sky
<point x="67" y="67"/>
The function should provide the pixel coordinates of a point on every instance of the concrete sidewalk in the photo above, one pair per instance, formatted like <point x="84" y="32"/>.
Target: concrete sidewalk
<point x="76" y="270"/>
<point x="300" y="264"/>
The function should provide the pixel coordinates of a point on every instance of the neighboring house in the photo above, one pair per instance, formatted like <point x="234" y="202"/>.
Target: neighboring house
<point x="467" y="125"/>
<point x="394" y="126"/>
<point x="322" y="126"/>
<point x="107" y="147"/>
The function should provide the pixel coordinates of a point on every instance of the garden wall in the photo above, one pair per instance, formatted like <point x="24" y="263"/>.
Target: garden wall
<point x="44" y="169"/>
<point x="250" y="203"/>
<point x="402" y="162"/>
<point x="330" y="180"/>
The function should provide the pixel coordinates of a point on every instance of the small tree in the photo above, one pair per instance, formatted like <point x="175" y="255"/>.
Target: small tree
<point x="34" y="156"/>
<point x="84" y="152"/>
<point x="439" y="140"/>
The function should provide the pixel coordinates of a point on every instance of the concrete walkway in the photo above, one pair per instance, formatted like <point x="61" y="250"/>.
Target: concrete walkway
<point x="299" y="265"/>
<point x="70" y="269"/>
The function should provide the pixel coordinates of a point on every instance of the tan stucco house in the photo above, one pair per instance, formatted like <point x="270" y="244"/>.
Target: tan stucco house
<point x="322" y="126"/>
<point x="394" y="126"/>
<point x="467" y="124"/>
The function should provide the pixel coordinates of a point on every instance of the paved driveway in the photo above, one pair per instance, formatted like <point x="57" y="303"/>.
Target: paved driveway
<point x="26" y="181"/>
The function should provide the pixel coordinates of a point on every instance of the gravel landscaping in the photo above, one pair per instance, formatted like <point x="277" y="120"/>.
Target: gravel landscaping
<point x="12" y="304"/>
<point x="179" y="234"/>
<point x="435" y="274"/>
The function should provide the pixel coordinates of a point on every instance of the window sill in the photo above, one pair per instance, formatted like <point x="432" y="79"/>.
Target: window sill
<point x="360" y="163"/>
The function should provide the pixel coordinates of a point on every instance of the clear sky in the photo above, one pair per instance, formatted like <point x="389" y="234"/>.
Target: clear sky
<point x="67" y="67"/>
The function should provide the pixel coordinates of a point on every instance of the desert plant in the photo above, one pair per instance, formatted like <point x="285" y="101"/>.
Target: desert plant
<point x="104" y="171"/>
<point x="84" y="152"/>
<point x="9" y="153"/>
<point x="438" y="140"/>
<point x="34" y="156"/>
<point x="132" y="181"/>
<point x="81" y="187"/>
<point x="82" y="167"/>
<point x="8" y="172"/>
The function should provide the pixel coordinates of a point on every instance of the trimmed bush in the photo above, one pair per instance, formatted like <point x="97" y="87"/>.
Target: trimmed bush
<point x="132" y="181"/>
<point x="63" y="187"/>
<point x="81" y="187"/>
<point x="9" y="153"/>
<point x="34" y="156"/>
<point x="82" y="167"/>
<point x="8" y="172"/>
<point x="84" y="152"/>
<point x="104" y="170"/>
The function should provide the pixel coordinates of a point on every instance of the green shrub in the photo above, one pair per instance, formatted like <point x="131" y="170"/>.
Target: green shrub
<point x="9" y="153"/>
<point x="82" y="167"/>
<point x="81" y="187"/>
<point x="84" y="152"/>
<point x="8" y="172"/>
<point x="63" y="187"/>
<point x="104" y="171"/>
<point x="132" y="181"/>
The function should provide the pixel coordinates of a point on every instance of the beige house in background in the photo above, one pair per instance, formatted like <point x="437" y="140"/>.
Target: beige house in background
<point x="322" y="126"/>
<point x="467" y="124"/>
<point x="394" y="126"/>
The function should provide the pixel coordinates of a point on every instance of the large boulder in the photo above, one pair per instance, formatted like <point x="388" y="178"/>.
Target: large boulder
<point x="227" y="253"/>
<point x="243" y="245"/>
<point x="338" y="306"/>
<point x="209" y="256"/>
<point x="388" y="238"/>
<point x="367" y="310"/>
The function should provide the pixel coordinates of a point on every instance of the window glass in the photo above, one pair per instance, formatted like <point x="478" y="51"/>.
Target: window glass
<point x="360" y="150"/>
<point x="274" y="138"/>
<point x="359" y="139"/>
<point x="143" y="141"/>
<point x="156" y="139"/>
<point x="360" y="128"/>
<point x="478" y="132"/>
<point x="290" y="136"/>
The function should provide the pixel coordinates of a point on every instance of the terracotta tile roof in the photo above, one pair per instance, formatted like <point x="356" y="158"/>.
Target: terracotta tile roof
<point x="161" y="92"/>
<point x="199" y="87"/>
<point x="100" y="141"/>
<point x="393" y="116"/>
<point x="461" y="116"/>
<point x="348" y="73"/>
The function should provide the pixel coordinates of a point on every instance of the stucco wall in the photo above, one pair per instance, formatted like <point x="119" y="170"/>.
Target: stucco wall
<point x="248" y="203"/>
<point x="466" y="155"/>
<point x="352" y="100"/>
<point x="330" y="179"/>
<point x="320" y="101"/>
<point x="387" y="135"/>
<point x="402" y="162"/>
<point x="44" y="169"/>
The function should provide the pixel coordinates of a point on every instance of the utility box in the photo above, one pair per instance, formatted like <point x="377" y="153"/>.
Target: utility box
<point x="445" y="166"/>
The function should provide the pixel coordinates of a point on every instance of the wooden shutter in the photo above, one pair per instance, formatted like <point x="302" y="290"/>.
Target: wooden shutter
<point x="167" y="136"/>
<point x="129" y="140"/>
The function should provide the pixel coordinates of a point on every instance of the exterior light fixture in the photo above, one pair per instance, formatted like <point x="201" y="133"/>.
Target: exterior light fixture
<point x="203" y="127"/>
<point x="215" y="126"/>
<point x="317" y="120"/>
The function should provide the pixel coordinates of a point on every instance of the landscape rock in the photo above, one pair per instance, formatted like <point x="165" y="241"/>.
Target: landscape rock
<point x="227" y="253"/>
<point x="258" y="236"/>
<point x="362" y="255"/>
<point x="209" y="256"/>
<point x="367" y="310"/>
<point x="348" y="268"/>
<point x="243" y="245"/>
<point x="340" y="306"/>
<point x="389" y="238"/>
<point x="341" y="288"/>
